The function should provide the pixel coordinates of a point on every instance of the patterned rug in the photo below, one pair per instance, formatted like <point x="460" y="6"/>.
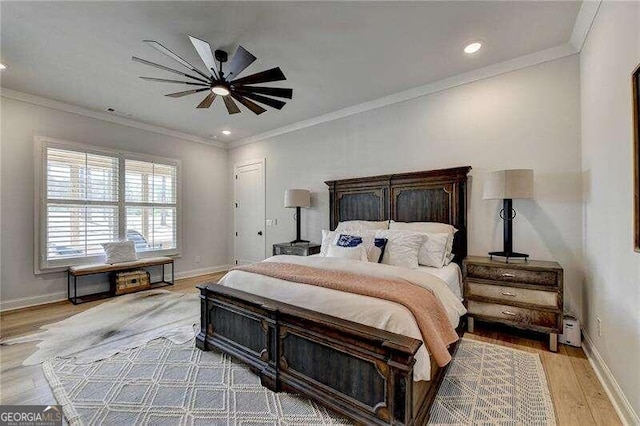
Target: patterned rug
<point x="177" y="384"/>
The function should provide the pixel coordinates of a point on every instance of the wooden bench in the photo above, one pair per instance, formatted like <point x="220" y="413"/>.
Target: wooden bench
<point x="101" y="268"/>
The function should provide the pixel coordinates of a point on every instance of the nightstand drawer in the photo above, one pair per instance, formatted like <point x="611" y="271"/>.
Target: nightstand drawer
<point x="505" y="273"/>
<point x="513" y="294"/>
<point x="529" y="317"/>
<point x="297" y="251"/>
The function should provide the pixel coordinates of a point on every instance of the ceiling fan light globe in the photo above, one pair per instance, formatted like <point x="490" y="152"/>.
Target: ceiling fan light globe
<point x="220" y="90"/>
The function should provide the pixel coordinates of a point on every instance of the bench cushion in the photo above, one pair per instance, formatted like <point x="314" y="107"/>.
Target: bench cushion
<point x="98" y="268"/>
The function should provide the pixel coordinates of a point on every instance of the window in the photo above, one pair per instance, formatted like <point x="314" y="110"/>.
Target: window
<point x="90" y="196"/>
<point x="150" y="204"/>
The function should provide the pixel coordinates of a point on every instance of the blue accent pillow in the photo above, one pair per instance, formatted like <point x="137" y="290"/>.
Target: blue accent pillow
<point x="345" y="240"/>
<point x="380" y="243"/>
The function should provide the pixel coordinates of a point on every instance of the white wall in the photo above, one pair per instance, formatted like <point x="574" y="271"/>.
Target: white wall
<point x="524" y="119"/>
<point x="205" y="210"/>
<point x="612" y="281"/>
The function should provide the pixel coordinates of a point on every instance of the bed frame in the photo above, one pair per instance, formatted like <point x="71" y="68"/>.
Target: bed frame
<point x="361" y="372"/>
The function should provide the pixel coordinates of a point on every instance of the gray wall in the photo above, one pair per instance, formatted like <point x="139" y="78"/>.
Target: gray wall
<point x="204" y="194"/>
<point x="612" y="279"/>
<point x="524" y="119"/>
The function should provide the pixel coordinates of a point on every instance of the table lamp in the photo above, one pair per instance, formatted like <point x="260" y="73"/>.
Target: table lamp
<point x="297" y="198"/>
<point x="507" y="185"/>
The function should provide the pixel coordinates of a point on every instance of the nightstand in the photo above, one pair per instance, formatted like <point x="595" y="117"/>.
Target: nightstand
<point x="526" y="295"/>
<point x="296" y="249"/>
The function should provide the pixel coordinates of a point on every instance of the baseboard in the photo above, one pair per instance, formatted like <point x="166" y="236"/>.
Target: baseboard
<point x="43" y="299"/>
<point x="619" y="401"/>
<point x="203" y="271"/>
<point x="25" y="302"/>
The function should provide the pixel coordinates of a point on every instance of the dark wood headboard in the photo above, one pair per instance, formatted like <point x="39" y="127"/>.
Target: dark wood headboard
<point x="429" y="196"/>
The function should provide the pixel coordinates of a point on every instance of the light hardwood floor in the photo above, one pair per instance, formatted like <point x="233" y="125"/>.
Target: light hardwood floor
<point x="578" y="396"/>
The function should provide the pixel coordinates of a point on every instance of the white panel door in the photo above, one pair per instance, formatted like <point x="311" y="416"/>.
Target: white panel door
<point x="249" y="212"/>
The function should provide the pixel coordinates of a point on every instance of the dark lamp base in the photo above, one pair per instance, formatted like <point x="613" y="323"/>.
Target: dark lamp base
<point x="509" y="255"/>
<point x="299" y="241"/>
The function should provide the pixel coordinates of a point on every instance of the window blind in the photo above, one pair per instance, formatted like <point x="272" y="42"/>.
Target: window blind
<point x="82" y="203"/>
<point x="93" y="197"/>
<point x="150" y="201"/>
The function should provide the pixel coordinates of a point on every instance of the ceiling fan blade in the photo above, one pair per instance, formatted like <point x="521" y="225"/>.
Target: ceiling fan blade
<point x="271" y="91"/>
<point x="254" y="107"/>
<point x="186" y="92"/>
<point x="204" y="51"/>
<point x="164" y="80"/>
<point x="162" y="67"/>
<point x="232" y="108"/>
<point x="206" y="102"/>
<point x="274" y="74"/>
<point x="241" y="60"/>
<point x="274" y="103"/>
<point x="160" y="48"/>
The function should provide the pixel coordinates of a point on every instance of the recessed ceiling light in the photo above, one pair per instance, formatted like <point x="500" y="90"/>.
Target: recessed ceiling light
<point x="473" y="47"/>
<point x="226" y="132"/>
<point x="2" y="66"/>
<point x="220" y="90"/>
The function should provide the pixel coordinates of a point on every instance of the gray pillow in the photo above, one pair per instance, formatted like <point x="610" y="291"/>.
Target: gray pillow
<point x="124" y="251"/>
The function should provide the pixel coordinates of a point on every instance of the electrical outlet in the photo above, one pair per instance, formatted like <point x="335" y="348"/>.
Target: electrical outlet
<point x="198" y="259"/>
<point x="599" y="321"/>
<point x="272" y="222"/>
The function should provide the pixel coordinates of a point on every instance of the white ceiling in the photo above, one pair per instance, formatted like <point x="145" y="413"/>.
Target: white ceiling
<point x="334" y="54"/>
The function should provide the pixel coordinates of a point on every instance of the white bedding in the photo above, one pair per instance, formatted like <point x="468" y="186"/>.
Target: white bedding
<point x="450" y="274"/>
<point x="366" y="310"/>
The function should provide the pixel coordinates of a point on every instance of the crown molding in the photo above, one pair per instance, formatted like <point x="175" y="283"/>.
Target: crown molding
<point x="584" y="21"/>
<point x="520" y="62"/>
<point x="99" y="115"/>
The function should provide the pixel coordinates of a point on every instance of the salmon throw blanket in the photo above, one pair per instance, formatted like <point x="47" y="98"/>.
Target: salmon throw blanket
<point x="436" y="330"/>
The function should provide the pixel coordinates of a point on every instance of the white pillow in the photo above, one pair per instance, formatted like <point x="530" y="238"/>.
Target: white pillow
<point x="124" y="251"/>
<point x="402" y="247"/>
<point x="356" y="253"/>
<point x="376" y="251"/>
<point x="434" y="251"/>
<point x="362" y="225"/>
<point x="428" y="228"/>
<point x="330" y="238"/>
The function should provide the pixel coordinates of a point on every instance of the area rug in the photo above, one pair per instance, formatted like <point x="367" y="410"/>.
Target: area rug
<point x="177" y="384"/>
<point x="125" y="322"/>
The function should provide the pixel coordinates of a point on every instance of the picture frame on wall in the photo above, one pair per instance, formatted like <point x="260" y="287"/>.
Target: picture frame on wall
<point x="636" y="155"/>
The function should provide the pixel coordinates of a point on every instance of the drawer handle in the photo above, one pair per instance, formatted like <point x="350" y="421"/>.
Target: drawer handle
<point x="504" y="293"/>
<point x="508" y="275"/>
<point x="511" y="314"/>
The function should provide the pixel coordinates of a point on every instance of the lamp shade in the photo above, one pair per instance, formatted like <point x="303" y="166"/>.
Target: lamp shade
<point x="508" y="184"/>
<point x="297" y="198"/>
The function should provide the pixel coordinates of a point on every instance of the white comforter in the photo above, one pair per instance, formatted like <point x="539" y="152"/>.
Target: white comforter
<point x="366" y="310"/>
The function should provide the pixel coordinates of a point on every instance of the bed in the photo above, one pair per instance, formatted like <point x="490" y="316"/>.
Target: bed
<point x="366" y="373"/>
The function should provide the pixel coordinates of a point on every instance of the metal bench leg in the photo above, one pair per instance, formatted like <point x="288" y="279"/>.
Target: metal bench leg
<point x="73" y="299"/>
<point x="173" y="270"/>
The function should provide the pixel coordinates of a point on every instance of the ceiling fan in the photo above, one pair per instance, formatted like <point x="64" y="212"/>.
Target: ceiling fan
<point x="223" y="82"/>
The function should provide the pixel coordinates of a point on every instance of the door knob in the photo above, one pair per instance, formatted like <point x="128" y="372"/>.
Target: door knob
<point x="259" y="232"/>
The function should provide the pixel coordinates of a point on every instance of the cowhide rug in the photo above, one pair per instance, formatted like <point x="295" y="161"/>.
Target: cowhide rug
<point x="128" y="321"/>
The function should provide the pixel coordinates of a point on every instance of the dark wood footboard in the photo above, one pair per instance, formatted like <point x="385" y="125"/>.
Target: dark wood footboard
<point x="361" y="372"/>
